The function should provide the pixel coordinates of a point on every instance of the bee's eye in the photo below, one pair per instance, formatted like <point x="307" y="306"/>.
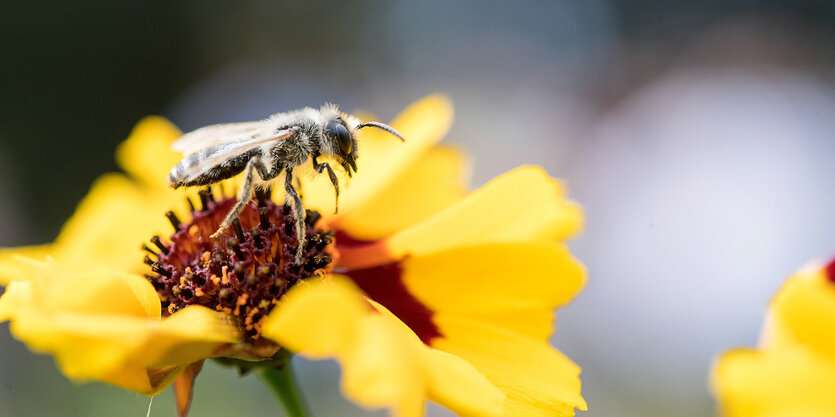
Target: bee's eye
<point x="343" y="138"/>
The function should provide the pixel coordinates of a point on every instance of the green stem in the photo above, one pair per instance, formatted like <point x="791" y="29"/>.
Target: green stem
<point x="282" y="382"/>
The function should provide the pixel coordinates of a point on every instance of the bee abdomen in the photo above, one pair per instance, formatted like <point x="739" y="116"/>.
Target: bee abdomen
<point x="178" y="176"/>
<point x="185" y="174"/>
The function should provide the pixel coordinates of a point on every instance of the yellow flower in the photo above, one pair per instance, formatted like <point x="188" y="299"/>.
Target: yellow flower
<point x="418" y="290"/>
<point x="803" y="312"/>
<point x="793" y="372"/>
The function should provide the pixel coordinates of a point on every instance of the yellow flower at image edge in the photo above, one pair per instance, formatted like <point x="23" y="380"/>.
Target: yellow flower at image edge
<point x="793" y="372"/>
<point x="417" y="289"/>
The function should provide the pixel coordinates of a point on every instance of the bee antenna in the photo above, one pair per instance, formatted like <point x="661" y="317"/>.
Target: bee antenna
<point x="382" y="126"/>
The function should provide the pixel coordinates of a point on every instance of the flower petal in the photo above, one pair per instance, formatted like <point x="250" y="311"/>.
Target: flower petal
<point x="474" y="282"/>
<point x="108" y="226"/>
<point x="384" y="284"/>
<point x="432" y="183"/>
<point x="383" y="157"/>
<point x="11" y="268"/>
<point x="86" y="346"/>
<point x="117" y="214"/>
<point x="537" y="379"/>
<point x="803" y="312"/>
<point x="376" y="366"/>
<point x="191" y="334"/>
<point x="143" y="380"/>
<point x="458" y="386"/>
<point x="107" y="327"/>
<point x="147" y="155"/>
<point x="788" y="382"/>
<point x="524" y="205"/>
<point x="98" y="292"/>
<point x="490" y="282"/>
<point x="17" y="295"/>
<point x="52" y="289"/>
<point x="384" y="364"/>
<point x="101" y="347"/>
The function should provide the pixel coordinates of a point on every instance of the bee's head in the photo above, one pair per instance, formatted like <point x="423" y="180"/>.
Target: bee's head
<point x="342" y="142"/>
<point x="340" y="132"/>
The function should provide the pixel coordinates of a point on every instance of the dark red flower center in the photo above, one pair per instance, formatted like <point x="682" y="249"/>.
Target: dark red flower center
<point x="244" y="271"/>
<point x="384" y="284"/>
<point x="829" y="270"/>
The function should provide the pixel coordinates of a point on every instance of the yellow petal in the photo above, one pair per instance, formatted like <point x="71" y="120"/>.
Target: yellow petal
<point x="536" y="323"/>
<point x="524" y="205"/>
<point x="384" y="364"/>
<point x="432" y="183"/>
<point x="803" y="312"/>
<point x="146" y="381"/>
<point x="521" y="206"/>
<point x="17" y="295"/>
<point x="458" y="386"/>
<point x="324" y="333"/>
<point x="492" y="281"/>
<point x="452" y="381"/>
<point x="11" y="268"/>
<point x="191" y="334"/>
<point x="516" y="286"/>
<point x="147" y="155"/>
<point x="380" y="370"/>
<point x="86" y="346"/>
<point x="107" y="327"/>
<point x="102" y="347"/>
<point x="787" y="382"/>
<point x="382" y="157"/>
<point x="98" y="292"/>
<point x="118" y="214"/>
<point x="329" y="319"/>
<point x="109" y="225"/>
<point x="537" y="379"/>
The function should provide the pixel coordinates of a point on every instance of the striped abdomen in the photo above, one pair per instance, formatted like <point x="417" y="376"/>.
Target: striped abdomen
<point x="207" y="167"/>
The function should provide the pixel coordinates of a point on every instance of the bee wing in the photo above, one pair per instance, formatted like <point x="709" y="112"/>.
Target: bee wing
<point x="206" y="158"/>
<point x="215" y="135"/>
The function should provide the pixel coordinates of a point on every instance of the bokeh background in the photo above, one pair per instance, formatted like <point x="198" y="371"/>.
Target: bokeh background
<point x="699" y="136"/>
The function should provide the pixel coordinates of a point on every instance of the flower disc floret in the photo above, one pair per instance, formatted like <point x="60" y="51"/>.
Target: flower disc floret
<point x="244" y="271"/>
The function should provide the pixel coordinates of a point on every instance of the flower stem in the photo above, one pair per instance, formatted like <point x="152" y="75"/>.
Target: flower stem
<point x="283" y="384"/>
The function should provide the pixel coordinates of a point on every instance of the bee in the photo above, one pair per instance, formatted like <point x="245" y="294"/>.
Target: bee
<point x="263" y="149"/>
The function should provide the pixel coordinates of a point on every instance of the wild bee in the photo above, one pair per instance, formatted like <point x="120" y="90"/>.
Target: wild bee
<point x="263" y="149"/>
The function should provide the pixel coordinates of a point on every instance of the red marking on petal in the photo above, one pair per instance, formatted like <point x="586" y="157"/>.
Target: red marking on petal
<point x="380" y="275"/>
<point x="829" y="270"/>
<point x="384" y="284"/>
<point x="357" y="253"/>
<point x="347" y="241"/>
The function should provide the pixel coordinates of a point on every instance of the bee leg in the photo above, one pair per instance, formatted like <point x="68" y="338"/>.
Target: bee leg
<point x="244" y="195"/>
<point x="335" y="181"/>
<point x="298" y="213"/>
<point x="298" y="186"/>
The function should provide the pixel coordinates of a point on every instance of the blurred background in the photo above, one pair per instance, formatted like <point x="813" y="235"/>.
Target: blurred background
<point x="699" y="136"/>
